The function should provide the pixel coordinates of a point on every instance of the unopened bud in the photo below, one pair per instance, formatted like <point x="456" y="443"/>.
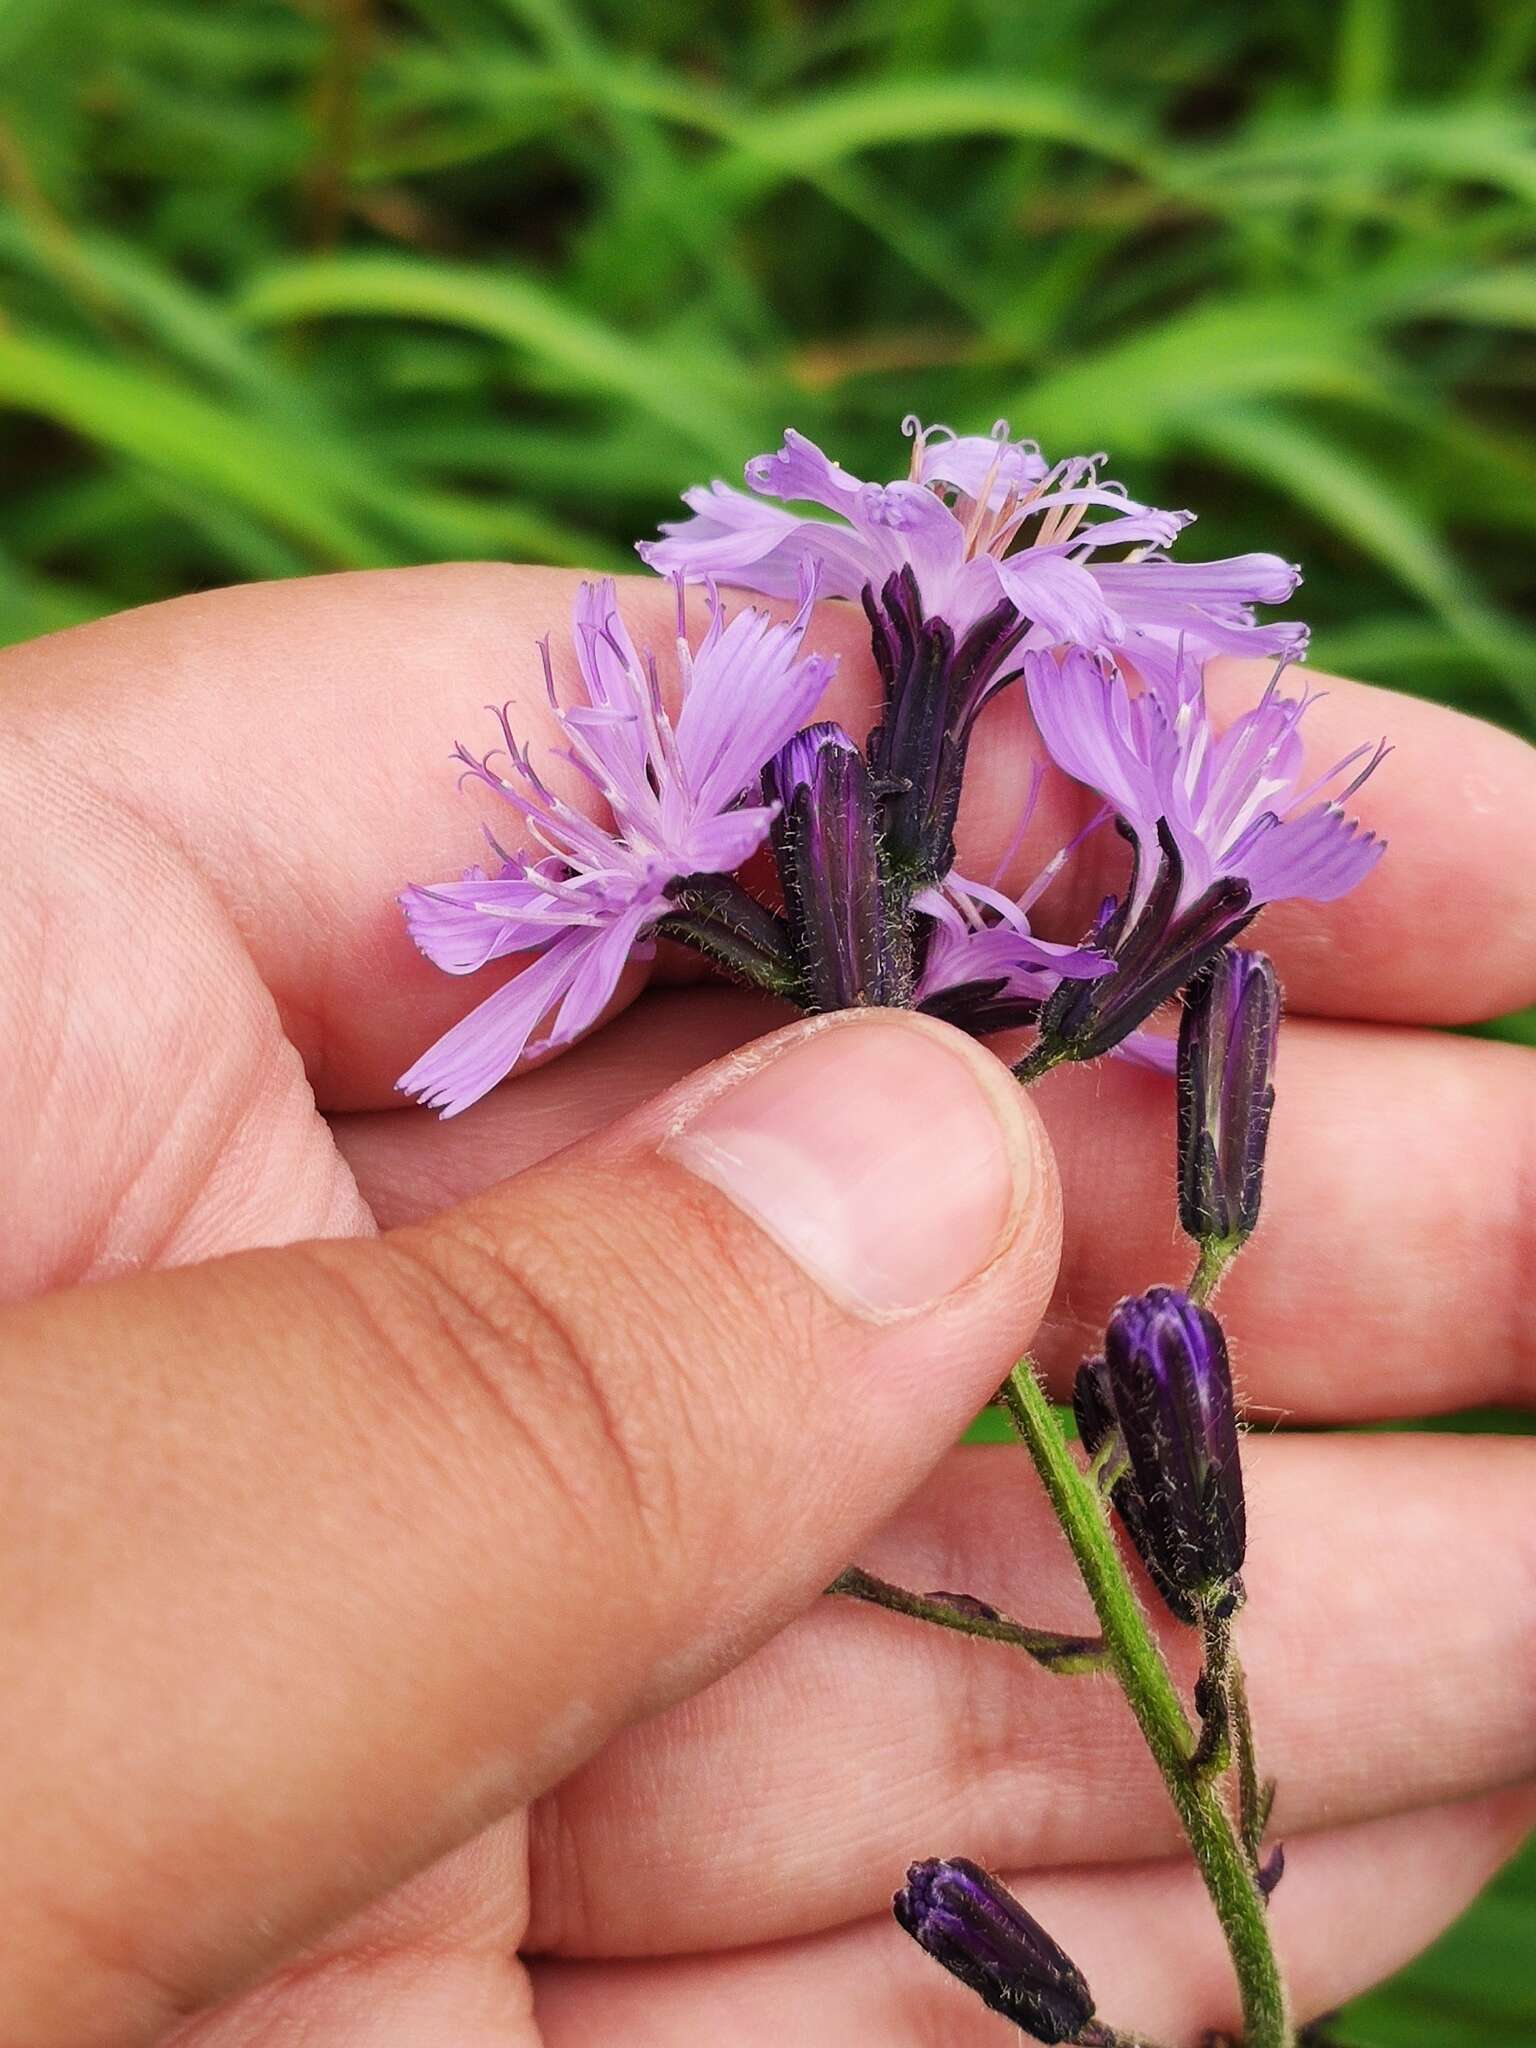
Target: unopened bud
<point x="1165" y="1385"/>
<point x="828" y="856"/>
<point x="978" y="1930"/>
<point x="1227" y="1044"/>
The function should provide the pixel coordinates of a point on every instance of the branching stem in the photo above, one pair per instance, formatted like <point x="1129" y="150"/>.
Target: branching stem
<point x="1066" y="1655"/>
<point x="1138" y="1665"/>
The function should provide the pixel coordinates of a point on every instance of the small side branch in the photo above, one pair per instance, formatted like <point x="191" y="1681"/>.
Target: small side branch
<point x="1213" y="1752"/>
<point x="1066" y="1655"/>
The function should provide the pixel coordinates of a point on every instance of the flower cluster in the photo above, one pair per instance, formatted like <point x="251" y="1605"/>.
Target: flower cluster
<point x="708" y="803"/>
<point x="984" y="567"/>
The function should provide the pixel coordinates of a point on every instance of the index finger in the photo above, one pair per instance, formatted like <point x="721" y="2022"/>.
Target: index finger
<point x="292" y="739"/>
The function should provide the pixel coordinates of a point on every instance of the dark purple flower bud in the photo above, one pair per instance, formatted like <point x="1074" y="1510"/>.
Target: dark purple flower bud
<point x="828" y="854"/>
<point x="1163" y="949"/>
<point x="1227" y="1044"/>
<point x="934" y="688"/>
<point x="1165" y="1385"/>
<point x="982" y="1935"/>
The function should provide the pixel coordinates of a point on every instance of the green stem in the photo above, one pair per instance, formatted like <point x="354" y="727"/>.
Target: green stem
<point x="1037" y="1061"/>
<point x="1251" y="1800"/>
<point x="1138" y="1665"/>
<point x="1064" y="1654"/>
<point x="1216" y="1254"/>
<point x="1213" y="1752"/>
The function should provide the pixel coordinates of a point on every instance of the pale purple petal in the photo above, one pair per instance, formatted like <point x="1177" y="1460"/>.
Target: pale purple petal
<point x="1061" y="597"/>
<point x="595" y="975"/>
<point x="1084" y="717"/>
<point x="685" y="799"/>
<point x="800" y="472"/>
<point x="749" y="689"/>
<point x="1158" y="587"/>
<point x="741" y="541"/>
<point x="971" y="463"/>
<point x="1026" y="966"/>
<point x="484" y="1047"/>
<point x="1319" y="856"/>
<point x="718" y="846"/>
<point x="1234" y="805"/>
<point x="1205" y="606"/>
<point x="903" y="523"/>
<point x="460" y="926"/>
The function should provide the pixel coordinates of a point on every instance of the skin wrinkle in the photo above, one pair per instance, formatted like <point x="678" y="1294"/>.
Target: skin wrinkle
<point x="337" y="1986"/>
<point x="192" y="1170"/>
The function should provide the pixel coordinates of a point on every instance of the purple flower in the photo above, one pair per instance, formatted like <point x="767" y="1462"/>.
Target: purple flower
<point x="1228" y="1038"/>
<point x="680" y="797"/>
<point x="1219" y="826"/>
<point x="966" y="1920"/>
<point x="1232" y="804"/>
<point x="1165" y="1385"/>
<point x="984" y="520"/>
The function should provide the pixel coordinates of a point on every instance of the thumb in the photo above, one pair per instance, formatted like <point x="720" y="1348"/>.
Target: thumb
<point x="320" y="1559"/>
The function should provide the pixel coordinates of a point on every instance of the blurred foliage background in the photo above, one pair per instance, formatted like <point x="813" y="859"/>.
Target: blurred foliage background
<point x="289" y="285"/>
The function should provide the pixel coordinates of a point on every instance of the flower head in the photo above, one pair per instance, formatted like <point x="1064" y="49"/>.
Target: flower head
<point x="683" y="798"/>
<point x="978" y="1930"/>
<point x="983" y="520"/>
<point x="1220" y="825"/>
<point x="1234" y="803"/>
<point x="1165" y="1385"/>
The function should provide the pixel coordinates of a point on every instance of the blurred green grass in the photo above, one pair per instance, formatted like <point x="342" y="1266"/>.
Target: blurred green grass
<point x="287" y="287"/>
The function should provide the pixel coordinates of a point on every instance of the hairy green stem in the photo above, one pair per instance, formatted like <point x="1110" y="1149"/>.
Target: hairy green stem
<point x="1216" y="1254"/>
<point x="1213" y="1752"/>
<point x="1039" y="1060"/>
<point x="1138" y="1665"/>
<point x="1066" y="1655"/>
<point x="1252" y="1799"/>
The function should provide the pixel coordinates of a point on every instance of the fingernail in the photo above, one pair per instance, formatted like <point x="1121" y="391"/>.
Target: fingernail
<point x="885" y="1155"/>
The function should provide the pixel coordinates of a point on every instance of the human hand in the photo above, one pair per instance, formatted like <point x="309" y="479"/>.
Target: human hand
<point x="328" y="1562"/>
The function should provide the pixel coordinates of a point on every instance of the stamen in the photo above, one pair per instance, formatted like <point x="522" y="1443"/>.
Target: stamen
<point x="1059" y="859"/>
<point x="1036" y="783"/>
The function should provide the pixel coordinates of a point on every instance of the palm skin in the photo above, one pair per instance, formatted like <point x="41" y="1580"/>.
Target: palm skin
<point x="207" y="808"/>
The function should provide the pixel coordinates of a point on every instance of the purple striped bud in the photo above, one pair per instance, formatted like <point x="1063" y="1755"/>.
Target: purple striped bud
<point x="1227" y="1043"/>
<point x="981" y="1934"/>
<point x="828" y="855"/>
<point x="1165" y="1385"/>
